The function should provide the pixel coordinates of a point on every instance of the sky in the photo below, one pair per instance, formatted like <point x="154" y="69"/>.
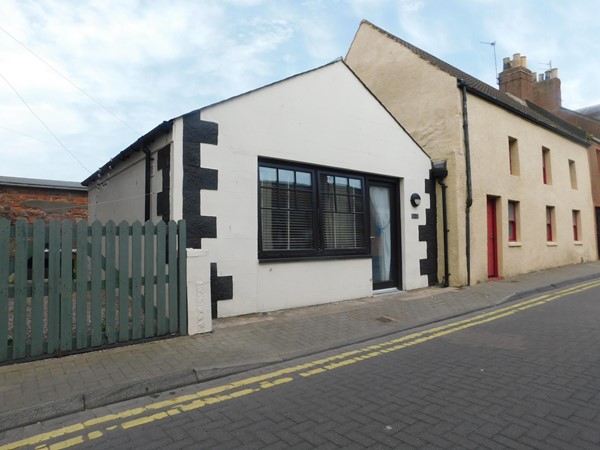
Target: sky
<point x="81" y="80"/>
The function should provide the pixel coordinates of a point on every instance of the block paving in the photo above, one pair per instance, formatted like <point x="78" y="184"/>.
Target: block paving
<point x="40" y="390"/>
<point x="467" y="393"/>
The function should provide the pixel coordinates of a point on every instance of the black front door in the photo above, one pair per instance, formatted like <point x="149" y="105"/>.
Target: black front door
<point x="598" y="230"/>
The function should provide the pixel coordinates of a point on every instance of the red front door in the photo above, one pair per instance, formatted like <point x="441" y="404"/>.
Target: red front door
<point x="492" y="238"/>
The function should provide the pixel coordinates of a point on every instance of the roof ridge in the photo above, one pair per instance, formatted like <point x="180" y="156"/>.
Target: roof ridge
<point x="484" y="90"/>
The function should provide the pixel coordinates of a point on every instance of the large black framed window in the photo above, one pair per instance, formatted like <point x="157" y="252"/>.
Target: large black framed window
<point x="307" y="211"/>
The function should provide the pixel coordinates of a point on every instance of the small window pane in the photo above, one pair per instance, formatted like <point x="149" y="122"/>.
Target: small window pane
<point x="342" y="203"/>
<point x="268" y="198"/>
<point x="303" y="179"/>
<point x="287" y="199"/>
<point x="512" y="221"/>
<point x="286" y="177"/>
<point x="304" y="200"/>
<point x="268" y="176"/>
<point x="343" y="231"/>
<point x="327" y="184"/>
<point x="355" y="184"/>
<point x="356" y="204"/>
<point x="328" y="203"/>
<point x="301" y="233"/>
<point x="287" y="230"/>
<point x="341" y="181"/>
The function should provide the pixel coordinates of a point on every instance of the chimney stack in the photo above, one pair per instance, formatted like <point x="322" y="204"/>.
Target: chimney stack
<point x="518" y="80"/>
<point x="546" y="91"/>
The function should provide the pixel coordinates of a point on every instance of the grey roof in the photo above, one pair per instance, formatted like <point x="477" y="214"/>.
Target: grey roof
<point x="481" y="89"/>
<point x="39" y="183"/>
<point x="591" y="111"/>
<point x="140" y="144"/>
<point x="166" y="126"/>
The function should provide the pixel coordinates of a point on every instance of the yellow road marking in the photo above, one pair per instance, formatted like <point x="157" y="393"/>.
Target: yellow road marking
<point x="94" y="435"/>
<point x="68" y="443"/>
<point x="234" y="390"/>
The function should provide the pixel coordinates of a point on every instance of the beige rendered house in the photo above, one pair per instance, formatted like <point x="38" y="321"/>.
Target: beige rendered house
<point x="518" y="195"/>
<point x="544" y="91"/>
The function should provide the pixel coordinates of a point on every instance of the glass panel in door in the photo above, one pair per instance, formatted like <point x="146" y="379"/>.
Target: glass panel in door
<point x="382" y="238"/>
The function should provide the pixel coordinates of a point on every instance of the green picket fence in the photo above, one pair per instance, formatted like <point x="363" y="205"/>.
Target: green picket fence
<point x="67" y="287"/>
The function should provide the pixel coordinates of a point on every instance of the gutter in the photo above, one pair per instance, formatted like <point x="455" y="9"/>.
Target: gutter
<point x="439" y="172"/>
<point x="147" y="183"/>
<point x="163" y="128"/>
<point x="531" y="118"/>
<point x="463" y="88"/>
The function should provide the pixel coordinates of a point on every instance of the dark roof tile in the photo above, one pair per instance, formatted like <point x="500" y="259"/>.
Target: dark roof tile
<point x="492" y="94"/>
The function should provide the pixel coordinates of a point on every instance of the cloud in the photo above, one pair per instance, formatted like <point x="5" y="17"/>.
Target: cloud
<point x="555" y="34"/>
<point x="150" y="60"/>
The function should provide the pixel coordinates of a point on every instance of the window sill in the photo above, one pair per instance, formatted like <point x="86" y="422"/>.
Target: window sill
<point x="514" y="244"/>
<point x="578" y="243"/>
<point x="552" y="244"/>
<point x="309" y="258"/>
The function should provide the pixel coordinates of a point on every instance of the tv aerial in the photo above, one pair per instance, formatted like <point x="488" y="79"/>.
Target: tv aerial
<point x="493" y="45"/>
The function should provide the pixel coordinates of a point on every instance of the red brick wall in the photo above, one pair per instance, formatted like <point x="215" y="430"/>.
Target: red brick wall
<point x="33" y="203"/>
<point x="588" y="124"/>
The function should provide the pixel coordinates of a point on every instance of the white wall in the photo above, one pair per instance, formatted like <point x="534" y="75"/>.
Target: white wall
<point x="327" y="118"/>
<point x="120" y="194"/>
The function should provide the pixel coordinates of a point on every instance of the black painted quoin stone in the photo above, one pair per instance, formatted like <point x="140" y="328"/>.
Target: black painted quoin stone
<point x="195" y="178"/>
<point x="163" y="164"/>
<point x="221" y="288"/>
<point x="428" y="234"/>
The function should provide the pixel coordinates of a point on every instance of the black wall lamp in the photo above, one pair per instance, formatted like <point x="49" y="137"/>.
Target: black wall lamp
<point x="415" y="199"/>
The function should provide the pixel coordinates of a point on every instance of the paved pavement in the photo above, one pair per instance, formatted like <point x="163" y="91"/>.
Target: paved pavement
<point x="40" y="390"/>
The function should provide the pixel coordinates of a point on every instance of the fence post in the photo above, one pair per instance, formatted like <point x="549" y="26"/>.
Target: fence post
<point x="37" y="288"/>
<point x="66" y="282"/>
<point x="53" y="286"/>
<point x="182" y="262"/>
<point x="82" y="286"/>
<point x="173" y="279"/>
<point x="148" y="279"/>
<point x="136" y="280"/>
<point x="20" y="299"/>
<point x="123" y="281"/>
<point x="198" y="292"/>
<point x="4" y="262"/>
<point x="109" y="312"/>
<point x="161" y="285"/>
<point x="96" y="283"/>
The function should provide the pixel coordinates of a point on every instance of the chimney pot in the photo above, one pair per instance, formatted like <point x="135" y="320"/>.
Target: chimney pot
<point x="516" y="60"/>
<point x="541" y="77"/>
<point x="523" y="61"/>
<point x="554" y="73"/>
<point x="506" y="63"/>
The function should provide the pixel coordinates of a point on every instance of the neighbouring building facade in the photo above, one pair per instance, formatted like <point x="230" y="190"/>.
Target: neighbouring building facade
<point x="544" y="90"/>
<point x="35" y="199"/>
<point x="302" y="192"/>
<point x="518" y="197"/>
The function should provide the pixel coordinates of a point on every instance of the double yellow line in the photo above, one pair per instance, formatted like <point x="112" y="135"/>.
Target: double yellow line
<point x="96" y="428"/>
